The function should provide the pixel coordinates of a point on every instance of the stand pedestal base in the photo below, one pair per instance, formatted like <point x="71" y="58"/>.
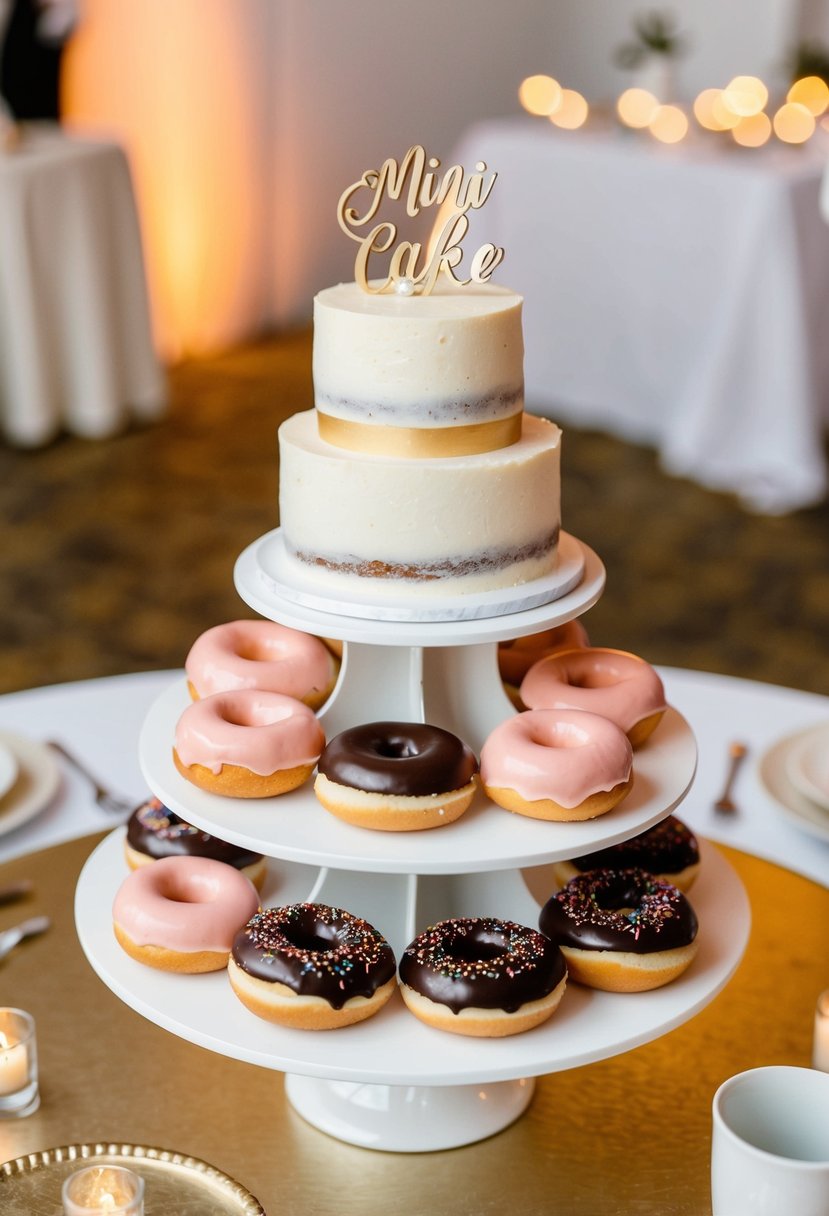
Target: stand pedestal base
<point x="408" y="1118"/>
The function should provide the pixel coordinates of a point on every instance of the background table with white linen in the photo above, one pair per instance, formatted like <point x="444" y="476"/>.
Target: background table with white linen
<point x="675" y="295"/>
<point x="76" y="346"/>
<point x="99" y="720"/>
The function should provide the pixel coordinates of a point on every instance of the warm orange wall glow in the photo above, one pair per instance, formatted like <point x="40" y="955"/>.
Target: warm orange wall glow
<point x="173" y="83"/>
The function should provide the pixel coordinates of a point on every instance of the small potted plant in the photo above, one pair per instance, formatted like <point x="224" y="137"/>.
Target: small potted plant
<point x="652" y="53"/>
<point x="809" y="58"/>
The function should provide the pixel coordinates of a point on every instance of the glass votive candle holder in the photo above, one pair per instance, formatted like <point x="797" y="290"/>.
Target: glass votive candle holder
<point x="19" y="1093"/>
<point x="103" y="1190"/>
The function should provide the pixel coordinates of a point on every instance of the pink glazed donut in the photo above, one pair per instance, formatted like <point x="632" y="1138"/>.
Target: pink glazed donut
<point x="613" y="683"/>
<point x="560" y="764"/>
<point x="182" y="913"/>
<point x="264" y="655"/>
<point x="247" y="744"/>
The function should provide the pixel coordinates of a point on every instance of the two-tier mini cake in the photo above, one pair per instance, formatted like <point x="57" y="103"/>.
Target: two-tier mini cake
<point x="418" y="474"/>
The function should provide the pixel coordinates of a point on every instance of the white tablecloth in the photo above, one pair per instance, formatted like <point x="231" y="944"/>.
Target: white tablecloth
<point x="76" y="348"/>
<point x="100" y="721"/>
<point x="676" y="295"/>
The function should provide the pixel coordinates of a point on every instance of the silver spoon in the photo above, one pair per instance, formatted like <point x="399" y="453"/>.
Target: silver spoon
<point x="725" y="804"/>
<point x="10" y="938"/>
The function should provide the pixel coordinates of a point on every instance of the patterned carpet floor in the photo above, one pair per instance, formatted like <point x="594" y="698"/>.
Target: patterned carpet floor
<point x="117" y="554"/>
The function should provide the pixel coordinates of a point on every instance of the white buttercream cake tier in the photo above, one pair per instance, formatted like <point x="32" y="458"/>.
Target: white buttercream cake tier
<point x="452" y="358"/>
<point x="451" y="526"/>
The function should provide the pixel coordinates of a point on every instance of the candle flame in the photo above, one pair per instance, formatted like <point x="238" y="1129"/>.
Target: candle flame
<point x="4" y="1042"/>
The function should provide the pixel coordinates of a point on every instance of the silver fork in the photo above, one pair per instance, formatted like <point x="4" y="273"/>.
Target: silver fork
<point x="10" y="938"/>
<point x="106" y="800"/>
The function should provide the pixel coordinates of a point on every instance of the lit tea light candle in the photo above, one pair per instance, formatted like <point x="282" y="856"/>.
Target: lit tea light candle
<point x="820" y="1044"/>
<point x="14" y="1065"/>
<point x="103" y="1190"/>
<point x="19" y="1094"/>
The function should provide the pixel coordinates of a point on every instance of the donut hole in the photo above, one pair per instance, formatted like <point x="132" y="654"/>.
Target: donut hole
<point x="313" y="937"/>
<point x="559" y="734"/>
<point x="195" y="892"/>
<point x="313" y="943"/>
<point x="466" y="951"/>
<point x="234" y="718"/>
<point x="252" y="652"/>
<point x="235" y="713"/>
<point x="597" y="678"/>
<point x="619" y="894"/>
<point x="396" y="749"/>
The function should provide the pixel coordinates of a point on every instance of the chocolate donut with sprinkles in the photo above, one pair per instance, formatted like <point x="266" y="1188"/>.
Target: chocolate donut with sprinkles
<point x="482" y="976"/>
<point x="621" y="930"/>
<point x="669" y="851"/>
<point x="154" y="831"/>
<point x="311" y="967"/>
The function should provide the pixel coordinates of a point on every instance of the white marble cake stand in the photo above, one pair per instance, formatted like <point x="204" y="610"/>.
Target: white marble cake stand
<point x="267" y="561"/>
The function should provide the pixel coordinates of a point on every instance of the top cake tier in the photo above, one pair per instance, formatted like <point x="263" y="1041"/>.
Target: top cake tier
<point x="419" y="376"/>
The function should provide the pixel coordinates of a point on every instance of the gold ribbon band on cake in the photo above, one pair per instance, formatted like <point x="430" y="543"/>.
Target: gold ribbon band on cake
<point x="415" y="442"/>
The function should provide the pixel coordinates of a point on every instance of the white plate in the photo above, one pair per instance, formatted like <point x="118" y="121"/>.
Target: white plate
<point x="295" y="826"/>
<point x="807" y="765"/>
<point x="8" y="768"/>
<point x="394" y="1048"/>
<point x="38" y="778"/>
<point x="800" y="811"/>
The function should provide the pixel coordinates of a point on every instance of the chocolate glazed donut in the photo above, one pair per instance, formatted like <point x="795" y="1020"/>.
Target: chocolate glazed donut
<point x="315" y="951"/>
<point x="311" y="966"/>
<point x="396" y="776"/>
<point x="481" y="961"/>
<point x="619" y="910"/>
<point x="154" y="832"/>
<point x="408" y="758"/>
<point x="482" y="976"/>
<point x="669" y="851"/>
<point x="621" y="930"/>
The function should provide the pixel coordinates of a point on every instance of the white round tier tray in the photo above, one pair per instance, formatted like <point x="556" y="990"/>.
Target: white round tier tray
<point x="296" y="827"/>
<point x="270" y="562"/>
<point x="382" y="1083"/>
<point x="517" y="611"/>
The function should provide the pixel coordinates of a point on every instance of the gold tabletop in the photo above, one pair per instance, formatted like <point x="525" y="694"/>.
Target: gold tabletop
<point x="629" y="1134"/>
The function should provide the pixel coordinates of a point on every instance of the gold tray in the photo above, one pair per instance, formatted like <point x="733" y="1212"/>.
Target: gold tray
<point x="175" y="1185"/>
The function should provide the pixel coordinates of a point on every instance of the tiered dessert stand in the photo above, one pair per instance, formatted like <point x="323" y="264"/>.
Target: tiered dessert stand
<point x="391" y="1082"/>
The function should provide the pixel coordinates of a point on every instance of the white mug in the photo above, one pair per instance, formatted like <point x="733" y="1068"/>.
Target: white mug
<point x="770" y="1149"/>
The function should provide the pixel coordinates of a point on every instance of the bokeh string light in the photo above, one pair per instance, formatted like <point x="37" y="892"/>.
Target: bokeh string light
<point x="811" y="92"/>
<point x="669" y="124"/>
<point x="540" y="95"/>
<point x="745" y="96"/>
<point x="794" y="123"/>
<point x="739" y="110"/>
<point x="636" y="108"/>
<point x="572" y="112"/>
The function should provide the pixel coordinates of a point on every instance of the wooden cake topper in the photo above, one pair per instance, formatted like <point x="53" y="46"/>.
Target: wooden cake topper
<point x="410" y="268"/>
